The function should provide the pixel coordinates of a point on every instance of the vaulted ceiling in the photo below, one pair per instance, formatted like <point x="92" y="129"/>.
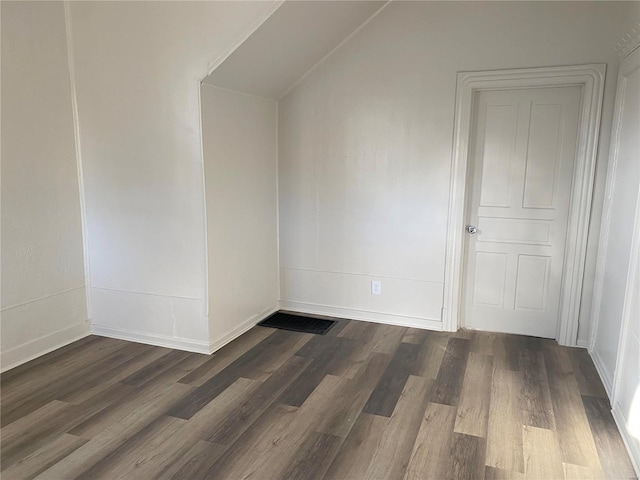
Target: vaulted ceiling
<point x="297" y="36"/>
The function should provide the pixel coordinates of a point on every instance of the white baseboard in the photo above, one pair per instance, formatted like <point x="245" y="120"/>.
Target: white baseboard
<point x="152" y="339"/>
<point x="632" y="445"/>
<point x="582" y="343"/>
<point x="375" y="317"/>
<point x="607" y="380"/>
<point x="248" y="324"/>
<point x="40" y="346"/>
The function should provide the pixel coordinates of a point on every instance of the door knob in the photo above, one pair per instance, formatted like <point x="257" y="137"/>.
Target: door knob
<point x="471" y="229"/>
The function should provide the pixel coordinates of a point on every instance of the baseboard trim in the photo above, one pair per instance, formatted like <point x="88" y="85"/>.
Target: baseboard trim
<point x="152" y="339"/>
<point x="248" y="324"/>
<point x="582" y="343"/>
<point x="41" y="346"/>
<point x="362" y="315"/>
<point x="621" y="422"/>
<point x="607" y="381"/>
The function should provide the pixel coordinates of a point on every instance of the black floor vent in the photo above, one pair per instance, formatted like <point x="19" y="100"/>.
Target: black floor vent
<point x="297" y="323"/>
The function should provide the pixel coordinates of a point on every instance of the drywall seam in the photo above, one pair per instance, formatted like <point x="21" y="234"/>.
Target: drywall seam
<point x="279" y="264"/>
<point x="78" y="149"/>
<point x="237" y="92"/>
<point x="259" y="21"/>
<point x="205" y="306"/>
<point x="146" y="293"/>
<point x="323" y="59"/>
<point x="33" y="300"/>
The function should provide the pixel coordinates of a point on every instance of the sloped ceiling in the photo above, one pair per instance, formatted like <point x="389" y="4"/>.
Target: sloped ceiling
<point x="289" y="43"/>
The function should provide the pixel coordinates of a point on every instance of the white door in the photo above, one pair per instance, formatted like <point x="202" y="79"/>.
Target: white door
<point x="522" y="149"/>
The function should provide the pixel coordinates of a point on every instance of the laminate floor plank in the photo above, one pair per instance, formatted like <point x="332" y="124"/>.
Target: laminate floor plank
<point x="109" y="434"/>
<point x="155" y="368"/>
<point x="238" y="419"/>
<point x="504" y="427"/>
<point x="365" y="401"/>
<point x="112" y="379"/>
<point x="542" y="457"/>
<point x="432" y="459"/>
<point x="49" y="454"/>
<point x="266" y="355"/>
<point x="312" y="457"/>
<point x="143" y="454"/>
<point x="577" y="472"/>
<point x="226" y="355"/>
<point x="609" y="445"/>
<point x="417" y="336"/>
<point x="194" y="463"/>
<point x="33" y="369"/>
<point x="430" y="358"/>
<point x="358" y="449"/>
<point x="467" y="457"/>
<point x="536" y="397"/>
<point x="576" y="438"/>
<point x="394" y="446"/>
<point x="327" y="356"/>
<point x="349" y="400"/>
<point x="473" y="407"/>
<point x="585" y="373"/>
<point x="492" y="473"/>
<point x="42" y="392"/>
<point x="385" y="395"/>
<point x="448" y="383"/>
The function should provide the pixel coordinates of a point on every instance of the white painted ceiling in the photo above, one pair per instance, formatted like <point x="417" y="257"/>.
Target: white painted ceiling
<point x="289" y="43"/>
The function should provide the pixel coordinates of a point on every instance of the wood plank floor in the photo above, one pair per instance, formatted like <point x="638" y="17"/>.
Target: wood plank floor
<point x="366" y="401"/>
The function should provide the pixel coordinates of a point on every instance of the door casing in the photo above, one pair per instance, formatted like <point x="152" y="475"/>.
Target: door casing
<point x="591" y="79"/>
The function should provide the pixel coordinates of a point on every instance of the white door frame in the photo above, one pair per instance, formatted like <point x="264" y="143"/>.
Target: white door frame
<point x="591" y="79"/>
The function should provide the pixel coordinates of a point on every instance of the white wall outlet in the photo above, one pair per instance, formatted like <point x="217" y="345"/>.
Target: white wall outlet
<point x="376" y="287"/>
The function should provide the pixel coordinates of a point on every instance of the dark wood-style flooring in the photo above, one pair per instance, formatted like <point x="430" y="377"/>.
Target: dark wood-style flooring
<point x="364" y="401"/>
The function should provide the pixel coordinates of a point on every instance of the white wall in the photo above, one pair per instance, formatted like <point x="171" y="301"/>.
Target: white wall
<point x="138" y="67"/>
<point x="618" y="220"/>
<point x="43" y="282"/>
<point x="365" y="147"/>
<point x="615" y="346"/>
<point x="240" y="163"/>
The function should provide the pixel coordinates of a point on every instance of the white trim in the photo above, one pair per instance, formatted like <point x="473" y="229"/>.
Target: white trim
<point x="582" y="344"/>
<point x="78" y="150"/>
<point x="629" y="42"/>
<point x="591" y="79"/>
<point x="186" y="344"/>
<point x="152" y="339"/>
<point x="622" y="422"/>
<point x="245" y="326"/>
<point x="41" y="346"/>
<point x="605" y="376"/>
<point x="363" y="315"/>
<point x="606" y="209"/>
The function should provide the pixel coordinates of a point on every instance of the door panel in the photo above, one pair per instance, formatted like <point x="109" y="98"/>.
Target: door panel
<point x="523" y="151"/>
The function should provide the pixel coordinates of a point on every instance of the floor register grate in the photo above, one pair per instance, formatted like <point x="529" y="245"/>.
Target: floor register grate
<point x="298" y="323"/>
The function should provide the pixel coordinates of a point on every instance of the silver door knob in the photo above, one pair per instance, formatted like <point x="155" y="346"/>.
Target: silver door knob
<point x="471" y="229"/>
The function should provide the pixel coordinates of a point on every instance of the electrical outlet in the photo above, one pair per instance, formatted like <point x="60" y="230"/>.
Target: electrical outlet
<point x="376" y="287"/>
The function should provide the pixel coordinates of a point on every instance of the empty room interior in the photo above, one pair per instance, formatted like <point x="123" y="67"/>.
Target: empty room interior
<point x="323" y="239"/>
